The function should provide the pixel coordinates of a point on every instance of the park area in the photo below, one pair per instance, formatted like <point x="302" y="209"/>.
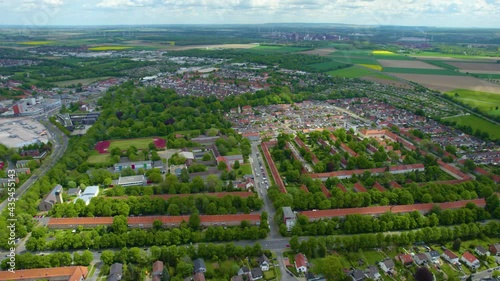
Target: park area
<point x="141" y="143"/>
<point x="488" y="103"/>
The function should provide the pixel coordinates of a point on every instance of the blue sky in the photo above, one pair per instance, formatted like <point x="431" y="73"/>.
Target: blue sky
<point x="452" y="13"/>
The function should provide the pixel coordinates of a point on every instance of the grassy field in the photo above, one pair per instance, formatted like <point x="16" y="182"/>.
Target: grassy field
<point x="486" y="102"/>
<point x="246" y="169"/>
<point x="485" y="75"/>
<point x="373" y="66"/>
<point x="234" y="151"/>
<point x="353" y="72"/>
<point x="98" y="159"/>
<point x="328" y="66"/>
<point x="277" y="49"/>
<point x="36" y="43"/>
<point x="84" y="82"/>
<point x="423" y="71"/>
<point x="354" y="59"/>
<point x="441" y="55"/>
<point x="109" y="48"/>
<point x="382" y="52"/>
<point x="478" y="123"/>
<point x="125" y="144"/>
<point x="440" y="63"/>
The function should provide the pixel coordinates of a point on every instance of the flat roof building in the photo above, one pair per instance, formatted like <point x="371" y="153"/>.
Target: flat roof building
<point x="138" y="180"/>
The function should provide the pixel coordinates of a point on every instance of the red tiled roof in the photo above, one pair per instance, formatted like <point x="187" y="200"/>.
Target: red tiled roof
<point x="325" y="191"/>
<point x="406" y="258"/>
<point x="148" y="220"/>
<point x="73" y="273"/>
<point x="359" y="188"/>
<point x="377" y="210"/>
<point x="469" y="257"/>
<point x="450" y="254"/>
<point x="341" y="187"/>
<point x="303" y="187"/>
<point x="379" y="187"/>
<point x="300" y="260"/>
<point x="395" y="184"/>
<point x="272" y="165"/>
<point x="407" y="167"/>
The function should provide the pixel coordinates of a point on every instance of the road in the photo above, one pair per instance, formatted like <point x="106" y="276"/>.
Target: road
<point x="483" y="274"/>
<point x="60" y="143"/>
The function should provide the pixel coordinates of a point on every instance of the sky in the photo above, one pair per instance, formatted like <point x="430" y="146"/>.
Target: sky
<point x="446" y="13"/>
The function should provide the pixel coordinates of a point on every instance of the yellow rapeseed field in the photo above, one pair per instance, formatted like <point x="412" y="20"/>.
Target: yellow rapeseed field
<point x="36" y="42"/>
<point x="382" y="52"/>
<point x="109" y="48"/>
<point x="373" y="66"/>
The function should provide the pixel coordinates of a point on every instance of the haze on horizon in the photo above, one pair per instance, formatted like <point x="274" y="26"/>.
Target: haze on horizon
<point x="446" y="13"/>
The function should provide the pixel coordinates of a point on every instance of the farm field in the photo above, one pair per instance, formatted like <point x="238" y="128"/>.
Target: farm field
<point x="276" y="49"/>
<point x="407" y="64"/>
<point x="486" y="102"/>
<point x="328" y="66"/>
<point x="477" y="67"/>
<point x="450" y="56"/>
<point x="84" y="82"/>
<point x="36" y="43"/>
<point x="353" y="72"/>
<point x="423" y="71"/>
<point x="354" y="59"/>
<point x="109" y="48"/>
<point x="319" y="52"/>
<point x="478" y="123"/>
<point x="445" y="83"/>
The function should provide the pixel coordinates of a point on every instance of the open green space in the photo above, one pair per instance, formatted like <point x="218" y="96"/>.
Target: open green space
<point x="246" y="169"/>
<point x="485" y="75"/>
<point x="486" y="102"/>
<point x="84" y="82"/>
<point x="392" y="57"/>
<point x="234" y="151"/>
<point x="478" y="124"/>
<point x="353" y="72"/>
<point x="98" y="159"/>
<point x="277" y="49"/>
<point x="440" y="63"/>
<point x="328" y="66"/>
<point x="354" y="59"/>
<point x="442" y="55"/>
<point x="423" y="71"/>
<point x="141" y="143"/>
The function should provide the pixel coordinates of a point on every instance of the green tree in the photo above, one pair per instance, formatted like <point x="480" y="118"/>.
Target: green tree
<point x="331" y="268"/>
<point x="194" y="221"/>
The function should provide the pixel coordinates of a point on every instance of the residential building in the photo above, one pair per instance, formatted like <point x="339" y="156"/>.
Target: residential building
<point x="115" y="272"/>
<point x="357" y="275"/>
<point x="387" y="265"/>
<point x="470" y="260"/>
<point x="243" y="270"/>
<point x="74" y="191"/>
<point x="311" y="277"/>
<point x="138" y="180"/>
<point x="495" y="249"/>
<point x="421" y="259"/>
<point x="199" y="276"/>
<point x="450" y="257"/>
<point x="406" y="259"/>
<point x="432" y="255"/>
<point x="68" y="273"/>
<point x="289" y="218"/>
<point x="372" y="273"/>
<point x="54" y="196"/>
<point x="480" y="250"/>
<point x="264" y="262"/>
<point x="89" y="193"/>
<point x="157" y="272"/>
<point x="199" y="265"/>
<point x="22" y="163"/>
<point x="256" y="273"/>
<point x="300" y="262"/>
<point x="4" y="182"/>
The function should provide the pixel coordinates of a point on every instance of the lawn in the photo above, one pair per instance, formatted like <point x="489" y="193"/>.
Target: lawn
<point x="478" y="123"/>
<point x="269" y="275"/>
<point x="423" y="71"/>
<point x="234" y="151"/>
<point x="486" y="102"/>
<point x="84" y="82"/>
<point x="98" y="159"/>
<point x="91" y="271"/>
<point x="125" y="144"/>
<point x="353" y="72"/>
<point x="246" y="169"/>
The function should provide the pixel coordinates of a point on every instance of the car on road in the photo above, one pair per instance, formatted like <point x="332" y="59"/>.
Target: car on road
<point x="288" y="245"/>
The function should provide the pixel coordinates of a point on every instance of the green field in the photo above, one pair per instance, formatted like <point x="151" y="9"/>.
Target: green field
<point x="277" y="49"/>
<point x="441" y="55"/>
<point x="125" y="144"/>
<point x="423" y="71"/>
<point x="84" y="82"/>
<point x="98" y="159"/>
<point x="485" y="76"/>
<point x="353" y="72"/>
<point x="392" y="57"/>
<point x="234" y="151"/>
<point x="328" y="66"/>
<point x="354" y="59"/>
<point x="440" y="63"/>
<point x="246" y="169"/>
<point x="478" y="123"/>
<point x="486" y="102"/>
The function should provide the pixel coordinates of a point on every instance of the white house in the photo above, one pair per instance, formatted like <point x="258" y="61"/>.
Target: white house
<point x="470" y="260"/>
<point x="89" y="193"/>
<point x="264" y="263"/>
<point x="450" y="257"/>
